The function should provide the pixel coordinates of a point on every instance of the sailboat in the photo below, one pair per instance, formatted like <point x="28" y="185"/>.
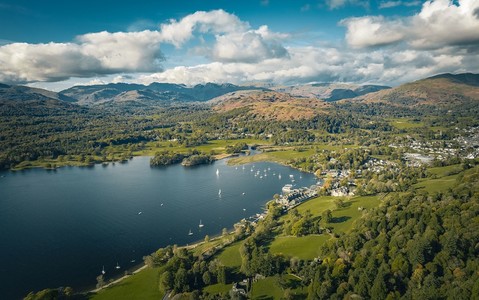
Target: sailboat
<point x="219" y="193"/>
<point x="200" y="225"/>
<point x="190" y="233"/>
<point x="117" y="266"/>
<point x="217" y="172"/>
<point x="103" y="270"/>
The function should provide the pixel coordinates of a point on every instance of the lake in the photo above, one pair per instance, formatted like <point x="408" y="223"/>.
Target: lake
<point x="60" y="227"/>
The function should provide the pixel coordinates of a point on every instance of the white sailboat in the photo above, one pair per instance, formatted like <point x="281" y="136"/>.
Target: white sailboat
<point x="219" y="193"/>
<point x="190" y="233"/>
<point x="200" y="225"/>
<point x="217" y="172"/>
<point x="103" y="270"/>
<point x="117" y="266"/>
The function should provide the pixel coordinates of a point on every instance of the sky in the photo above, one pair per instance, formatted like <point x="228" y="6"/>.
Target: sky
<point x="57" y="44"/>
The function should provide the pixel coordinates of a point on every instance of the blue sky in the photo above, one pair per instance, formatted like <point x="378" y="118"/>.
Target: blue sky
<point x="56" y="44"/>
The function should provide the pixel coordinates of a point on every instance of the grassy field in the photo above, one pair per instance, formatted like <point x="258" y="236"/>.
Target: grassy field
<point x="218" y="288"/>
<point x="267" y="288"/>
<point x="215" y="145"/>
<point x="142" y="285"/>
<point x="445" y="171"/>
<point x="230" y="256"/>
<point x="437" y="185"/>
<point x="405" y="123"/>
<point x="344" y="218"/>
<point x="305" y="247"/>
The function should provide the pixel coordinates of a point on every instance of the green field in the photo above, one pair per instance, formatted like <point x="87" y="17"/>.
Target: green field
<point x="305" y="247"/>
<point x="142" y="285"/>
<point x="348" y="215"/>
<point x="445" y="171"/>
<point x="230" y="256"/>
<point x="405" y="123"/>
<point x="218" y="288"/>
<point x="216" y="145"/>
<point x="437" y="185"/>
<point x="267" y="288"/>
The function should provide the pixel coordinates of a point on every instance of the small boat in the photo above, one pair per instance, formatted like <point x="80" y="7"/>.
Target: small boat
<point x="133" y="260"/>
<point x="190" y="233"/>
<point x="244" y="194"/>
<point x="279" y="176"/>
<point x="103" y="270"/>
<point x="140" y="212"/>
<point x="243" y="167"/>
<point x="244" y="209"/>
<point x="201" y="225"/>
<point x="117" y="266"/>
<point x="291" y="176"/>
<point x="217" y="172"/>
<point x="161" y="204"/>
<point x="219" y="192"/>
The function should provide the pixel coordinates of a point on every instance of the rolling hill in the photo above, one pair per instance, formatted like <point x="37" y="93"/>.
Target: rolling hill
<point x="161" y="92"/>
<point x="269" y="105"/>
<point x="444" y="90"/>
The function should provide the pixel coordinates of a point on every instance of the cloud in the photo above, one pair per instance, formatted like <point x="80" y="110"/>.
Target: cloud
<point x="326" y="64"/>
<point x="335" y="4"/>
<point x="104" y="53"/>
<point x="440" y="23"/>
<point x="249" y="46"/>
<point x="305" y="7"/>
<point x="216" y="22"/>
<point x="391" y="4"/>
<point x="372" y="31"/>
<point x="91" y="55"/>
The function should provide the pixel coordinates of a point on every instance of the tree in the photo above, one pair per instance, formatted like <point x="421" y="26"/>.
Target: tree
<point x="206" y="278"/>
<point x="166" y="281"/>
<point x="100" y="281"/>
<point x="221" y="274"/>
<point x="181" y="280"/>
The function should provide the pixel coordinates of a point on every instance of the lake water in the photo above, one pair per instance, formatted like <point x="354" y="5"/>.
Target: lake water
<point x="59" y="228"/>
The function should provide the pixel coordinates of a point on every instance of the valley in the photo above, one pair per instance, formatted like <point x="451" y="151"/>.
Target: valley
<point x="388" y="164"/>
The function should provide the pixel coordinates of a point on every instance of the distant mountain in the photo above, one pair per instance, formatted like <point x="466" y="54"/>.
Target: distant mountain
<point x="444" y="90"/>
<point x="162" y="92"/>
<point x="27" y="101"/>
<point x="268" y="105"/>
<point x="24" y="93"/>
<point x="329" y="91"/>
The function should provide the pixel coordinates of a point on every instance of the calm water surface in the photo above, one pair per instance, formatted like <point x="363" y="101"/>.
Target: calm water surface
<point x="58" y="228"/>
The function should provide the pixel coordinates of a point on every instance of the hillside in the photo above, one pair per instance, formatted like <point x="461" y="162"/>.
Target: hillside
<point x="23" y="93"/>
<point x="329" y="91"/>
<point x="164" y="92"/>
<point x="445" y="90"/>
<point x="270" y="105"/>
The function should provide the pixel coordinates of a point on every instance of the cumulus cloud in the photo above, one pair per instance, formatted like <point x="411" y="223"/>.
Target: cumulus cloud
<point x="103" y="53"/>
<point x="216" y="22"/>
<point x="372" y="31"/>
<point x="307" y="64"/>
<point x="440" y="23"/>
<point x="92" y="54"/>
<point x="250" y="46"/>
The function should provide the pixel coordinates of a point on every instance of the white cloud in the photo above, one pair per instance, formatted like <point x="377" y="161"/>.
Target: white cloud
<point x="216" y="21"/>
<point x="93" y="54"/>
<point x="391" y="4"/>
<point x="372" y="31"/>
<point x="335" y="4"/>
<point x="440" y="23"/>
<point x="249" y="46"/>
